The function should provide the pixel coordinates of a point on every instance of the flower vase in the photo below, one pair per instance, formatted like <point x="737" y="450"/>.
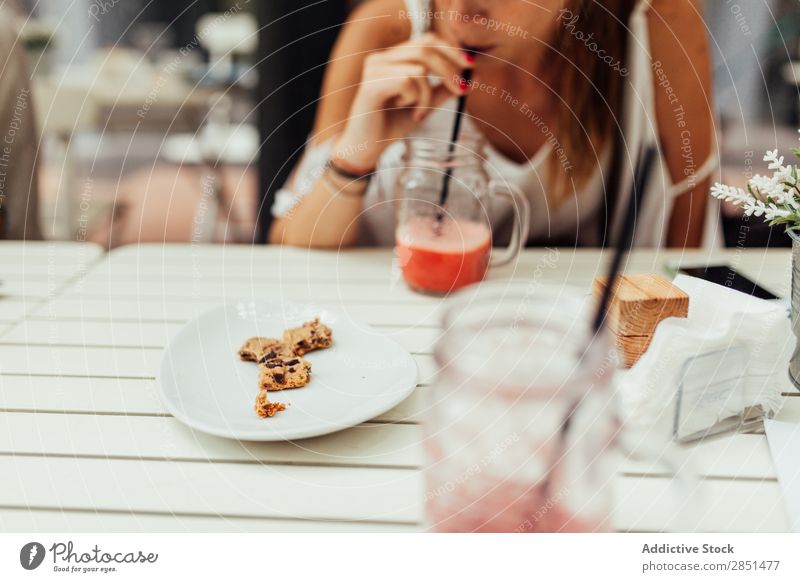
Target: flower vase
<point x="794" y="362"/>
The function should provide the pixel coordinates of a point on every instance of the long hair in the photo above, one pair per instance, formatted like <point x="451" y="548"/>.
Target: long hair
<point x="590" y="47"/>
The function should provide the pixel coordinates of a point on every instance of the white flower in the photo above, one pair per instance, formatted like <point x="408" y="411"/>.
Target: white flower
<point x="750" y="205"/>
<point x="731" y="194"/>
<point x="782" y="173"/>
<point x="772" y="212"/>
<point x="769" y="188"/>
<point x="776" y="198"/>
<point x="737" y="197"/>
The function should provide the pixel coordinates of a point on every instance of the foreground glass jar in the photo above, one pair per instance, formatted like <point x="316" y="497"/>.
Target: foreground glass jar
<point x="522" y="430"/>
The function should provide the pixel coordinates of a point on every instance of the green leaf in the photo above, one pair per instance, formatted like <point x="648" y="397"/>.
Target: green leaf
<point x="782" y="220"/>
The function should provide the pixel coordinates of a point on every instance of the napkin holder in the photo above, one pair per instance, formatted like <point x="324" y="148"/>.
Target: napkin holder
<point x="720" y="370"/>
<point x="710" y="385"/>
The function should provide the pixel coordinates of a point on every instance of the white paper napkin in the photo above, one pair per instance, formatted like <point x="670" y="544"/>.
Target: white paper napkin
<point x="732" y="350"/>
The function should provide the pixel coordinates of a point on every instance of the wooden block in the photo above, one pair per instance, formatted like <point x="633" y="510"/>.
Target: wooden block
<point x="638" y="304"/>
<point x="631" y="347"/>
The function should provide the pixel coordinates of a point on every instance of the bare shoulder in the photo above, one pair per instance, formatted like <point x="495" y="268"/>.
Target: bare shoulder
<point x="680" y="49"/>
<point x="678" y="24"/>
<point x="373" y="25"/>
<point x="386" y="22"/>
<point x="682" y="73"/>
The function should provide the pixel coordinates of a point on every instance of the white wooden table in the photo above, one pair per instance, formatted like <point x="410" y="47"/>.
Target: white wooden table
<point x="85" y="444"/>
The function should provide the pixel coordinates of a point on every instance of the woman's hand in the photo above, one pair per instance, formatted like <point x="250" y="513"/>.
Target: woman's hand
<point x="395" y="94"/>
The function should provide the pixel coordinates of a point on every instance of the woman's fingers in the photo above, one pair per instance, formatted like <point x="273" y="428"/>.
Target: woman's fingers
<point x="407" y="86"/>
<point x="400" y="76"/>
<point x="424" y="103"/>
<point x="434" y="62"/>
<point x="393" y="80"/>
<point x="439" y="96"/>
<point x="455" y="54"/>
<point x="408" y="92"/>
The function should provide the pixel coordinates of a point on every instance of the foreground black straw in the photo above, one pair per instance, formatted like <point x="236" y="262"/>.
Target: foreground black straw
<point x="626" y="233"/>
<point x="624" y="243"/>
<point x="462" y="103"/>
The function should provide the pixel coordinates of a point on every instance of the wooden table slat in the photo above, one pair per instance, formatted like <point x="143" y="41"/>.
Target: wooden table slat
<point x="154" y="334"/>
<point x="23" y="519"/>
<point x="348" y="494"/>
<point x="234" y="489"/>
<point x="164" y="438"/>
<point x="181" y="310"/>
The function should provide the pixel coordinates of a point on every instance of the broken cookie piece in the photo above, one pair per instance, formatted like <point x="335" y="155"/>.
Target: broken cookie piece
<point x="264" y="408"/>
<point x="253" y="349"/>
<point x="277" y="351"/>
<point x="312" y="335"/>
<point x="281" y="373"/>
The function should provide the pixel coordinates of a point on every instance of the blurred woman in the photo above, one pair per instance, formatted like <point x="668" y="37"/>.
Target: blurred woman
<point x="566" y="94"/>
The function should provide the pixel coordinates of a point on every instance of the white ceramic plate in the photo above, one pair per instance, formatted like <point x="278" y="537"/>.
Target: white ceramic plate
<point x="205" y="385"/>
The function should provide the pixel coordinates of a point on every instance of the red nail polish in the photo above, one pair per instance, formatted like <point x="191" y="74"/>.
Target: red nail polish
<point x="471" y="57"/>
<point x="463" y="85"/>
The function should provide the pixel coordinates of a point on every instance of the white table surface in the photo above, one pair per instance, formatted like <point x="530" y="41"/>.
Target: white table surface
<point x="85" y="444"/>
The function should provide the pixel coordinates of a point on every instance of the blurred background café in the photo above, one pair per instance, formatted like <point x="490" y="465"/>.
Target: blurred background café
<point x="177" y="121"/>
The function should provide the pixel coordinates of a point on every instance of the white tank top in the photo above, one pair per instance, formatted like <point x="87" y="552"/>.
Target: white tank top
<point x="574" y="222"/>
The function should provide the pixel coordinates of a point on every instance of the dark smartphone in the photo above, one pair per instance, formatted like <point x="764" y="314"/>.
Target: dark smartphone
<point x="728" y="277"/>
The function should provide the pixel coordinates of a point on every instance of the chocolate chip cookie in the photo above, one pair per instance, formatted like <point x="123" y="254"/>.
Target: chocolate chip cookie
<point x="312" y="335"/>
<point x="277" y="350"/>
<point x="281" y="373"/>
<point x="253" y="349"/>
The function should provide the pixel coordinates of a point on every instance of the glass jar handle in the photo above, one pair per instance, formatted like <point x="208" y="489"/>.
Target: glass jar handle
<point x="522" y="220"/>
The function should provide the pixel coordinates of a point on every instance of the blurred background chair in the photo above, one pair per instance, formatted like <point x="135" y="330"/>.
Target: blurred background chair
<point x="149" y="126"/>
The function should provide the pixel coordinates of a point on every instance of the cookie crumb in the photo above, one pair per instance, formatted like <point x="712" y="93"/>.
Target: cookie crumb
<point x="264" y="408"/>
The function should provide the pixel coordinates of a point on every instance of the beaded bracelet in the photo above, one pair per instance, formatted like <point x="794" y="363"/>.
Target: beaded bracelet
<point x="336" y="189"/>
<point x="347" y="175"/>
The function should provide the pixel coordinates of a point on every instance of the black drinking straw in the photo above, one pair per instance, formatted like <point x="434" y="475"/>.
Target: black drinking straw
<point x="625" y="240"/>
<point x="642" y="175"/>
<point x="466" y="75"/>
